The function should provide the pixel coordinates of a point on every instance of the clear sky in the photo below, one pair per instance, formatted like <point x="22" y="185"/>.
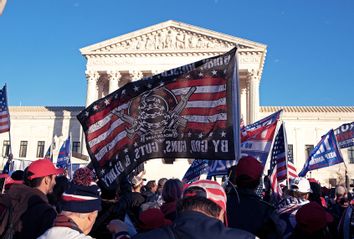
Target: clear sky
<point x="310" y="58"/>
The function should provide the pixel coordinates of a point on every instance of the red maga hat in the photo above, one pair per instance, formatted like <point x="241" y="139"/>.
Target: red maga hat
<point x="312" y="217"/>
<point x="249" y="166"/>
<point x="42" y="168"/>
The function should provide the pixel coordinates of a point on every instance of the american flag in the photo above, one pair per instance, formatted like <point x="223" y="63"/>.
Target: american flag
<point x="4" y="112"/>
<point x="280" y="166"/>
<point x="181" y="113"/>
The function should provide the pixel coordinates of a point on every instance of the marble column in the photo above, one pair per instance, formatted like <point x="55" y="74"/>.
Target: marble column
<point x="113" y="79"/>
<point x="136" y="75"/>
<point x="244" y="105"/>
<point x="253" y="80"/>
<point x="92" y="91"/>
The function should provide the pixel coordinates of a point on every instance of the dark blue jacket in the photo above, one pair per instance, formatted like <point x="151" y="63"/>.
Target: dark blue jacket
<point x="247" y="211"/>
<point x="195" y="225"/>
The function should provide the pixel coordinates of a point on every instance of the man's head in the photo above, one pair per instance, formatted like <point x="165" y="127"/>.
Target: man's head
<point x="151" y="186"/>
<point x="41" y="174"/>
<point x="137" y="183"/>
<point x="81" y="201"/>
<point x="300" y="187"/>
<point x="204" y="196"/>
<point x="247" y="173"/>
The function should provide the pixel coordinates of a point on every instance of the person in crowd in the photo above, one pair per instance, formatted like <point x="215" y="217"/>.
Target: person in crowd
<point x="312" y="222"/>
<point x="137" y="184"/>
<point x="160" y="185"/>
<point x="128" y="206"/>
<point x="151" y="217"/>
<point x="171" y="193"/>
<point x="346" y="225"/>
<point x="201" y="214"/>
<point x="150" y="192"/>
<point x="338" y="205"/>
<point x="315" y="195"/>
<point x="245" y="209"/>
<point x="32" y="214"/>
<point x="17" y="177"/>
<point x="108" y="213"/>
<point x="287" y="208"/>
<point x="80" y="204"/>
<point x="61" y="185"/>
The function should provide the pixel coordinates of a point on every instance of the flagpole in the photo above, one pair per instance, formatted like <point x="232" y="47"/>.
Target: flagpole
<point x="236" y="108"/>
<point x="286" y="154"/>
<point x="272" y="144"/>
<point x="70" y="143"/>
<point x="10" y="156"/>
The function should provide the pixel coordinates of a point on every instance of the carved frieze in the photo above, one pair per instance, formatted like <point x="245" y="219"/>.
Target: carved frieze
<point x="170" y="38"/>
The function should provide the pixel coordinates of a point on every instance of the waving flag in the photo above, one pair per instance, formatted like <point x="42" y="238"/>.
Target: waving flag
<point x="4" y="112"/>
<point x="63" y="160"/>
<point x="256" y="140"/>
<point x="325" y="154"/>
<point x="345" y="135"/>
<point x="197" y="168"/>
<point x="186" y="112"/>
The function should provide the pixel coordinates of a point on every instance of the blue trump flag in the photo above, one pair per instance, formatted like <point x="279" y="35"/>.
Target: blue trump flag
<point x="197" y="168"/>
<point x="63" y="160"/>
<point x="325" y="154"/>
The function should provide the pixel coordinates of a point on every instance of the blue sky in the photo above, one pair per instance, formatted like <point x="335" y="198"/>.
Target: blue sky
<point x="310" y="58"/>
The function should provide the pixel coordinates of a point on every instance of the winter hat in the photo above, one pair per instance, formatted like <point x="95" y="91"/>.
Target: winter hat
<point x="300" y="184"/>
<point x="83" y="194"/>
<point x="312" y="217"/>
<point x="41" y="168"/>
<point x="213" y="190"/>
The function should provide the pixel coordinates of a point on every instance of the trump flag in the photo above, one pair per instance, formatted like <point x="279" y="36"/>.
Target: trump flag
<point x="345" y="135"/>
<point x="325" y="154"/>
<point x="186" y="112"/>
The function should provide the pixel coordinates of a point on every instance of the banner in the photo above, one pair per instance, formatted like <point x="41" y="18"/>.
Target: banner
<point x="256" y="140"/>
<point x="186" y="112"/>
<point x="325" y="154"/>
<point x="197" y="168"/>
<point x="345" y="135"/>
<point x="63" y="160"/>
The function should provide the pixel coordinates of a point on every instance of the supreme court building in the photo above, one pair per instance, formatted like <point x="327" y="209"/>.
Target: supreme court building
<point x="114" y="62"/>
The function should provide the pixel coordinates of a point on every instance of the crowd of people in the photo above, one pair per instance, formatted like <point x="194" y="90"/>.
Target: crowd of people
<point x="40" y="202"/>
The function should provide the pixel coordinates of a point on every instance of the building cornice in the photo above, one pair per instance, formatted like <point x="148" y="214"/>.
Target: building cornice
<point x="308" y="109"/>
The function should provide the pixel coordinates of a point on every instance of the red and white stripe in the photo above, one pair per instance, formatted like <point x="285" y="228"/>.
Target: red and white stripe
<point x="4" y="121"/>
<point x="214" y="191"/>
<point x="206" y="109"/>
<point x="78" y="198"/>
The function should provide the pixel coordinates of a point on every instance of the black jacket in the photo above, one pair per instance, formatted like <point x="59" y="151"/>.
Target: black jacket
<point x="249" y="212"/>
<point x="36" y="214"/>
<point x="195" y="225"/>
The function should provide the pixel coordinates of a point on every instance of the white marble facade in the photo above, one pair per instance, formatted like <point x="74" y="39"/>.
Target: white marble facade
<point x="114" y="62"/>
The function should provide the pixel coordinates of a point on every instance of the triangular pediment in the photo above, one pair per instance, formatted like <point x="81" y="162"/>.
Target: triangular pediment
<point x="171" y="36"/>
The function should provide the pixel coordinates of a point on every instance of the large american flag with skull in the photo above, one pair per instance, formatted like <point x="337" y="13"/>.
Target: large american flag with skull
<point x="184" y="112"/>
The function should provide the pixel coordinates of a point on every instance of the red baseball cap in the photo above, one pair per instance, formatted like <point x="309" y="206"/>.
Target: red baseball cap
<point x="42" y="168"/>
<point x="153" y="218"/>
<point x="312" y="217"/>
<point x="250" y="167"/>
